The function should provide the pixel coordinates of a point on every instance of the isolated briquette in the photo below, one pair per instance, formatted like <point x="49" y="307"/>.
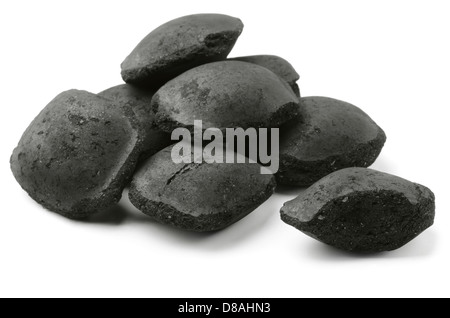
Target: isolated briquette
<point x="276" y="64"/>
<point x="78" y="154"/>
<point x="180" y="45"/>
<point x="362" y="210"/>
<point x="198" y="197"/>
<point x="227" y="94"/>
<point x="327" y="135"/>
<point x="139" y="101"/>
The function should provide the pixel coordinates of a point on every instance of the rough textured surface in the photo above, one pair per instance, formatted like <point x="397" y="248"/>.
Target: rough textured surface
<point x="180" y="45"/>
<point x="225" y="94"/>
<point x="276" y="64"/>
<point x="199" y="196"/>
<point x="139" y="102"/>
<point x="362" y="210"/>
<point x="77" y="155"/>
<point x="326" y="136"/>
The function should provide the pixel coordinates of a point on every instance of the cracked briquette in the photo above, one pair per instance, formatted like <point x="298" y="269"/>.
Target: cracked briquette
<point x="362" y="210"/>
<point x="180" y="45"/>
<point x="327" y="135"/>
<point x="78" y="154"/>
<point x="227" y="94"/>
<point x="198" y="197"/>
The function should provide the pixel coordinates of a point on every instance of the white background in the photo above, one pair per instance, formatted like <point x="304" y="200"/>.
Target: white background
<point x="391" y="58"/>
